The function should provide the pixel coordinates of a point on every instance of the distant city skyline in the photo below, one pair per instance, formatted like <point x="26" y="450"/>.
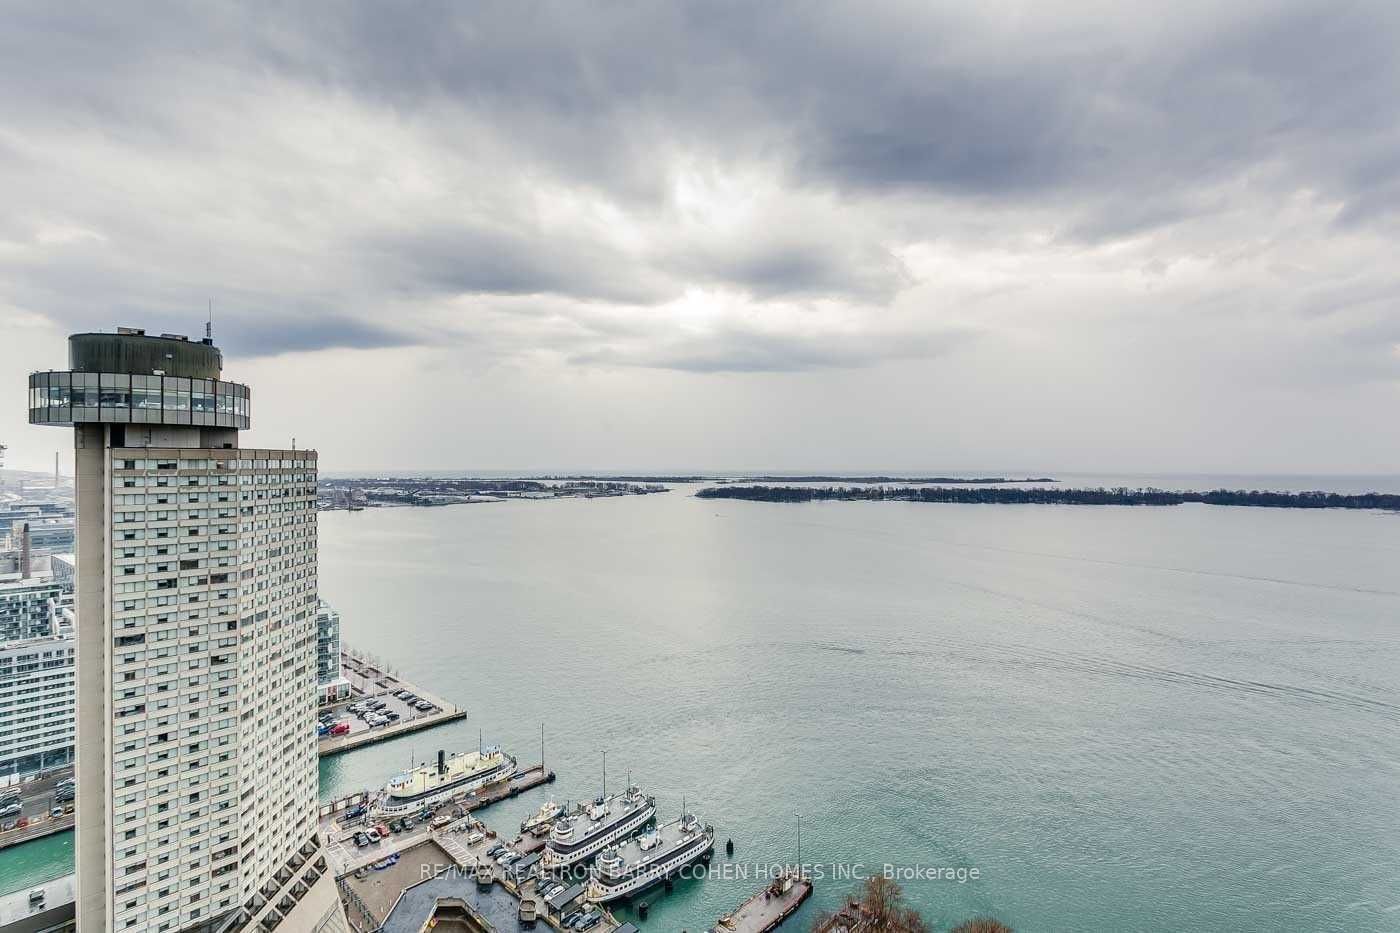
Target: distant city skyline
<point x="875" y="237"/>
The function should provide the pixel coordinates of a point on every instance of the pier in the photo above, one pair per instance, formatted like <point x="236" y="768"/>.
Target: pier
<point x="369" y="682"/>
<point x="767" y="909"/>
<point x="339" y="832"/>
<point x="434" y="882"/>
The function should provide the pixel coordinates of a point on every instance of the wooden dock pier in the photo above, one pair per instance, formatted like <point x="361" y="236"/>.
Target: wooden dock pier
<point x="767" y="909"/>
<point x="519" y="782"/>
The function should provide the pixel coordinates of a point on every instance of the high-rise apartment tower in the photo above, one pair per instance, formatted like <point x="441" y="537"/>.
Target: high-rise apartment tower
<point x="196" y="609"/>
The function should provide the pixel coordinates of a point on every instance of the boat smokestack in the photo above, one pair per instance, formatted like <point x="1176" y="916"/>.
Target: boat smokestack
<point x="442" y="762"/>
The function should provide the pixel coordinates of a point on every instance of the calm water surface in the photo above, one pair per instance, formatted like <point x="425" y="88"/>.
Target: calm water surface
<point x="1124" y="718"/>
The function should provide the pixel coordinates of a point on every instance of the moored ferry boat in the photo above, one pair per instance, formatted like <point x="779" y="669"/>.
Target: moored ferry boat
<point x="542" y="820"/>
<point x="431" y="784"/>
<point x="591" y="828"/>
<point x="651" y="857"/>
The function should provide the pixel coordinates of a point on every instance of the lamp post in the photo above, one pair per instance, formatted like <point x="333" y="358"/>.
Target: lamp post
<point x="799" y="845"/>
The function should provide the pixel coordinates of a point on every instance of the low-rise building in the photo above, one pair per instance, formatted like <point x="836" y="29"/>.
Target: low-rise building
<point x="64" y="569"/>
<point x="45" y="534"/>
<point x="331" y="683"/>
<point x="24" y="606"/>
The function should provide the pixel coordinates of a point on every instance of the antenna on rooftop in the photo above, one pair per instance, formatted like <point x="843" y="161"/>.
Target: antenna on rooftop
<point x="209" y="324"/>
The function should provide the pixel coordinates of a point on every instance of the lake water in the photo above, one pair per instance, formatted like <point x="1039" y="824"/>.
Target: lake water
<point x="1123" y="718"/>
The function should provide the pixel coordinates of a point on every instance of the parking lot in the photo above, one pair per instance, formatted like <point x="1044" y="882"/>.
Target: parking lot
<point x="402" y="710"/>
<point x="371" y="684"/>
<point x="345" y="853"/>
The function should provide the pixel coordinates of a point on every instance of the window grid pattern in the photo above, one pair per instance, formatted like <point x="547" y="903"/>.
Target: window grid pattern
<point x="213" y="677"/>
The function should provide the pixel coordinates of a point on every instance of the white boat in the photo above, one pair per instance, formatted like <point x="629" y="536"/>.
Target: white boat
<point x="653" y="856"/>
<point x="431" y="784"/>
<point x="589" y="829"/>
<point x="542" y="819"/>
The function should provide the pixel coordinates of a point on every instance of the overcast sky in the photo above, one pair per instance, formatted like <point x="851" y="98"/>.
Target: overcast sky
<point x="762" y="235"/>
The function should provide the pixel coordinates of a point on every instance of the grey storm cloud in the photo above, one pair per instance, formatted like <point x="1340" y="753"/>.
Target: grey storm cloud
<point x="896" y="95"/>
<point x="746" y="350"/>
<point x="356" y="175"/>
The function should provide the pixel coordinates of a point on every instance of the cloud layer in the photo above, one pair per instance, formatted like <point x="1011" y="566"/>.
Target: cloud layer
<point x="723" y="188"/>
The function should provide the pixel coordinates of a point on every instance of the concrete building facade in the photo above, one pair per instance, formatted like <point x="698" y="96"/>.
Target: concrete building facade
<point x="37" y="703"/>
<point x="196" y="674"/>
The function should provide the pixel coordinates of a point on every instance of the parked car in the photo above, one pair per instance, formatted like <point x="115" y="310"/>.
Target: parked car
<point x="438" y="822"/>
<point x="362" y="839"/>
<point x="355" y="812"/>
<point x="340" y="728"/>
<point x="13" y="809"/>
<point x="391" y="716"/>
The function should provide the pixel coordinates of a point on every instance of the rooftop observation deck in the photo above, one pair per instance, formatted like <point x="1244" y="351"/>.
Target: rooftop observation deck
<point x="130" y="378"/>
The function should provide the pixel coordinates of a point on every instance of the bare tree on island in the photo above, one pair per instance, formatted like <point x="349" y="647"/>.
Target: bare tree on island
<point x="880" y="907"/>
<point x="981" y="925"/>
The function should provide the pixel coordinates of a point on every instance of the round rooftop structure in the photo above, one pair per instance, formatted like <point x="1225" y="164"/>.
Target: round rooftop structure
<point x="130" y="378"/>
<point x="122" y="352"/>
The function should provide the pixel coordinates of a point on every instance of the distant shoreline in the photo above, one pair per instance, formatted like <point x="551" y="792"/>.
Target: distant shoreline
<point x="1058" y="496"/>
<point x="777" y="478"/>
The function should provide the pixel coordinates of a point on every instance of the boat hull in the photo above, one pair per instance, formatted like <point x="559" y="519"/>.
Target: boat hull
<point x="602" y="890"/>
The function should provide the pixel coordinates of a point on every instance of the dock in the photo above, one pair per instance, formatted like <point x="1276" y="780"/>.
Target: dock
<point x="434" y="882"/>
<point x="767" y="909"/>
<point x="368" y="681"/>
<point x="339" y="833"/>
